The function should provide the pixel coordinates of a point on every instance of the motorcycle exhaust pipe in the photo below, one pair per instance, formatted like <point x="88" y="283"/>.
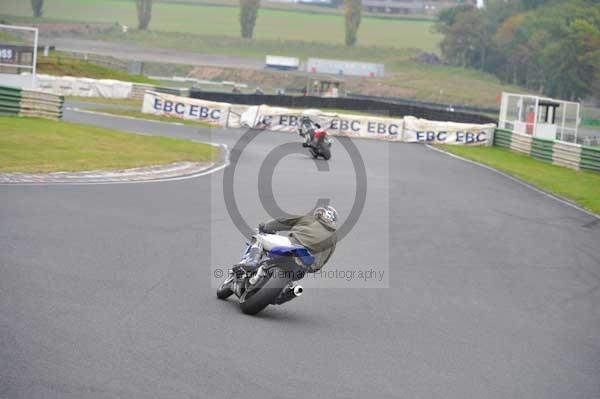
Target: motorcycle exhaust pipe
<point x="298" y="290"/>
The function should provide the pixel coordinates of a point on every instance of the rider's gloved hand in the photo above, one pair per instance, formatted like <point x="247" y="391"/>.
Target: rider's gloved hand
<point x="261" y="228"/>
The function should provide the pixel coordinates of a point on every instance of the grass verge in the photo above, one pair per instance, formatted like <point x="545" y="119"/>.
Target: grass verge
<point x="37" y="146"/>
<point x="62" y="65"/>
<point x="581" y="187"/>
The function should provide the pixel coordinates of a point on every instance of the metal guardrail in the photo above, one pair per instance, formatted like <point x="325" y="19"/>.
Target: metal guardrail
<point x="350" y="104"/>
<point x="590" y="158"/>
<point x="10" y="100"/>
<point x="542" y="149"/>
<point x="15" y="102"/>
<point x="441" y="106"/>
<point x="574" y="156"/>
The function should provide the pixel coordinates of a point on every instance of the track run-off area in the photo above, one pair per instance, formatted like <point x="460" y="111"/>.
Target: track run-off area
<point x="491" y="289"/>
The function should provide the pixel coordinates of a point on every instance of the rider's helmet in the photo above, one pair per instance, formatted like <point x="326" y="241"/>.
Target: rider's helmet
<point x="305" y="120"/>
<point x="327" y="215"/>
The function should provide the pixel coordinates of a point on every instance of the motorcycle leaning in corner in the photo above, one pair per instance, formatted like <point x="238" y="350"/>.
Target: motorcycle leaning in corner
<point x="316" y="139"/>
<point x="267" y="273"/>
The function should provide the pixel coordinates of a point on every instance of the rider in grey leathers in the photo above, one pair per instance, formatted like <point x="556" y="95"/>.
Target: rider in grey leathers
<point x="316" y="232"/>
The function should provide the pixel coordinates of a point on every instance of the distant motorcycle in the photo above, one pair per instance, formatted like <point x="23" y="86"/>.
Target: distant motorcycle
<point x="315" y="139"/>
<point x="267" y="273"/>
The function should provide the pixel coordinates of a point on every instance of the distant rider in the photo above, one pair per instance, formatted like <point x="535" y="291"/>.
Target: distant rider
<point x="307" y="130"/>
<point x="316" y="232"/>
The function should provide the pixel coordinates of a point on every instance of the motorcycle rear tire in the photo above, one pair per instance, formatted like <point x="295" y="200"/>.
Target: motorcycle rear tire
<point x="326" y="153"/>
<point x="266" y="294"/>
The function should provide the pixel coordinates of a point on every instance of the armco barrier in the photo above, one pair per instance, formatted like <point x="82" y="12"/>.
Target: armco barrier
<point x="138" y="90"/>
<point x="590" y="158"/>
<point x="521" y="143"/>
<point x="502" y="138"/>
<point x="15" y="101"/>
<point x="41" y="105"/>
<point x="10" y="100"/>
<point x="542" y="149"/>
<point x="566" y="154"/>
<point x="350" y="104"/>
<point x="570" y="155"/>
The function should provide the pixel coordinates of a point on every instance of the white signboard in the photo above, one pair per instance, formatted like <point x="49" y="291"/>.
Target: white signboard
<point x="185" y="108"/>
<point x="407" y="129"/>
<point x="424" y="131"/>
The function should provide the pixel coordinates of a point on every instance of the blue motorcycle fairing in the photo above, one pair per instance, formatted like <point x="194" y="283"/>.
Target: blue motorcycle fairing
<point x="297" y="251"/>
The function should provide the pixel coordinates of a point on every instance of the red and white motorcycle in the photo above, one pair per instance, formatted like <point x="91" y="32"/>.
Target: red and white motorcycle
<point x="316" y="139"/>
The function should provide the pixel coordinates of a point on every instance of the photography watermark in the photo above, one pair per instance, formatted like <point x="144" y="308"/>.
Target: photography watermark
<point x="373" y="274"/>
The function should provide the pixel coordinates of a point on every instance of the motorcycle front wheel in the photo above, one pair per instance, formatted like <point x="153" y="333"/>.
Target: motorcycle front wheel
<point x="326" y="152"/>
<point x="224" y="291"/>
<point x="255" y="300"/>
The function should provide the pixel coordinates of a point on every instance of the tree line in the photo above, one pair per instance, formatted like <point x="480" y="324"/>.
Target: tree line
<point x="548" y="46"/>
<point x="248" y="16"/>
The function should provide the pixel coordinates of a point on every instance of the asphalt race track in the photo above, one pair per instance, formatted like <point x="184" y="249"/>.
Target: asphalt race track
<point x="105" y="290"/>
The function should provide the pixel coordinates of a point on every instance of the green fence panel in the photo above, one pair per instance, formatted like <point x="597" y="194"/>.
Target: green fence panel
<point x="502" y="138"/>
<point x="10" y="89"/>
<point x="590" y="122"/>
<point x="10" y="100"/>
<point x="590" y="158"/>
<point x="542" y="149"/>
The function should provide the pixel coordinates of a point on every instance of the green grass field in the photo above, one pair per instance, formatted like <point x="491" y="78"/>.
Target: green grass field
<point x="450" y="85"/>
<point x="581" y="187"/>
<point x="38" y="145"/>
<point x="61" y="65"/>
<point x="223" y="21"/>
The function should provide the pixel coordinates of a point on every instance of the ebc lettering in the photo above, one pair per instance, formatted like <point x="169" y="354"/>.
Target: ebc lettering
<point x="215" y="114"/>
<point x="204" y="112"/>
<point x="266" y="120"/>
<point x="180" y="108"/>
<point x="344" y="125"/>
<point x="432" y="136"/>
<point x="465" y="137"/>
<point x="371" y="127"/>
<point x="288" y="120"/>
